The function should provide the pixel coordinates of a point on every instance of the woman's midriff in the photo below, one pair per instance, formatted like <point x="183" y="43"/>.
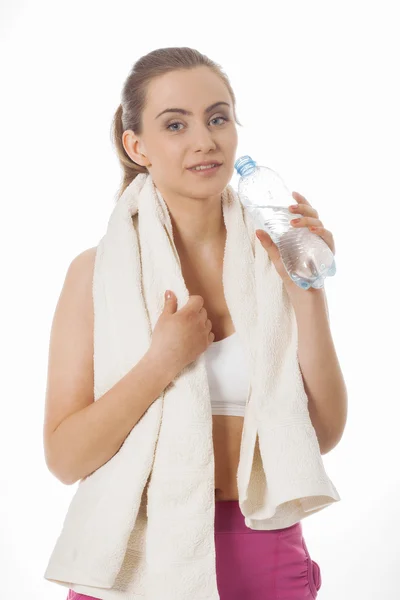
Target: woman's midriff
<point x="227" y="435"/>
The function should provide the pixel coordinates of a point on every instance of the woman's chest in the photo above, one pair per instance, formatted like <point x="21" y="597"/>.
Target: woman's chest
<point x="205" y="280"/>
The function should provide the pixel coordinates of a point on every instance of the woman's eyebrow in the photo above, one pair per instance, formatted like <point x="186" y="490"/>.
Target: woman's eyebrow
<point x="187" y="112"/>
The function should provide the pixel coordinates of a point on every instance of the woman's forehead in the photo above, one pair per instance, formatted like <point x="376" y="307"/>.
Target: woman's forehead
<point x="189" y="91"/>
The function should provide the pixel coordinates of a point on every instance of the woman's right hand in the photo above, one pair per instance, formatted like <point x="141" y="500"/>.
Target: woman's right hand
<point x="180" y="336"/>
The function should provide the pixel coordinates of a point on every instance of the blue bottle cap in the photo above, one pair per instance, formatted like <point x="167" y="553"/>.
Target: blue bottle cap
<point x="245" y="165"/>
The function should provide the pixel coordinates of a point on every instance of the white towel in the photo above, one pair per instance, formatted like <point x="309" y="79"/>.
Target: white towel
<point x="142" y="525"/>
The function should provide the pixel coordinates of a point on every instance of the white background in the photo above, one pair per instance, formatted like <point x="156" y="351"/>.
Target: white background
<point x="317" y="86"/>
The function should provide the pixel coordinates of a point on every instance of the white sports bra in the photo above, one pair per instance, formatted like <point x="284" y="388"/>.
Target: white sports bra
<point x="228" y="376"/>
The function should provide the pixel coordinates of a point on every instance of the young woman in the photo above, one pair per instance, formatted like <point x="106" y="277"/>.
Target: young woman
<point x="176" y="119"/>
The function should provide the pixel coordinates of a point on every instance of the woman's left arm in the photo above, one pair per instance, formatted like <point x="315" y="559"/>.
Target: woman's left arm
<point x="322" y="376"/>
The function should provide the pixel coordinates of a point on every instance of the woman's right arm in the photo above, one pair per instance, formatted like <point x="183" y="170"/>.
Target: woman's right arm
<point x="80" y="435"/>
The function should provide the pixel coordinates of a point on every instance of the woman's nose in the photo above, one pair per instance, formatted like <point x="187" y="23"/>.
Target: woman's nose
<point x="203" y="139"/>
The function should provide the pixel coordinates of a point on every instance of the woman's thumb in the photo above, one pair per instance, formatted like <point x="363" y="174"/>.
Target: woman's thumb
<point x="170" y="299"/>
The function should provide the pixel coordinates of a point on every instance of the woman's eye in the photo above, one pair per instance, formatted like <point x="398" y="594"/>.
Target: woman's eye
<point x="172" y="124"/>
<point x="178" y="123"/>
<point x="223" y="118"/>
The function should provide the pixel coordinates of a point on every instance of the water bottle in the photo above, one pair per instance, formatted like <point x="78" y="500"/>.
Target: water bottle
<point x="305" y="255"/>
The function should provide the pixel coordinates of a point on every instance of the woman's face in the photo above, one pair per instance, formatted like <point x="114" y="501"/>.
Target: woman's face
<point x="172" y="142"/>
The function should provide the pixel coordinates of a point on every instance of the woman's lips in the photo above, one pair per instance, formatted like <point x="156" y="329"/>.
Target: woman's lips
<point x="204" y="172"/>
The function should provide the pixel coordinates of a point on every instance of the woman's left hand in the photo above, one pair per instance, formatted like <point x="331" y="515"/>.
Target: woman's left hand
<point x="310" y="219"/>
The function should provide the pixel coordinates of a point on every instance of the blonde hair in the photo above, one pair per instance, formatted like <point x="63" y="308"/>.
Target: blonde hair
<point x="133" y="97"/>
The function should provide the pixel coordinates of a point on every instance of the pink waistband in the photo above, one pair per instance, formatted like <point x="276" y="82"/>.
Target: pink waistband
<point x="229" y="518"/>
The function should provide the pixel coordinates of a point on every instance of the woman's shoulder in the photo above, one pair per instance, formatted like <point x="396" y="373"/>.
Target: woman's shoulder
<point x="80" y="272"/>
<point x="84" y="260"/>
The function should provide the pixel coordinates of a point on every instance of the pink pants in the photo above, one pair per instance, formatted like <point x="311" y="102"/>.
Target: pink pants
<point x="257" y="565"/>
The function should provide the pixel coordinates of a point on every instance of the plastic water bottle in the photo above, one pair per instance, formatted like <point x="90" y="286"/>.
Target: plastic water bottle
<point x="306" y="256"/>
